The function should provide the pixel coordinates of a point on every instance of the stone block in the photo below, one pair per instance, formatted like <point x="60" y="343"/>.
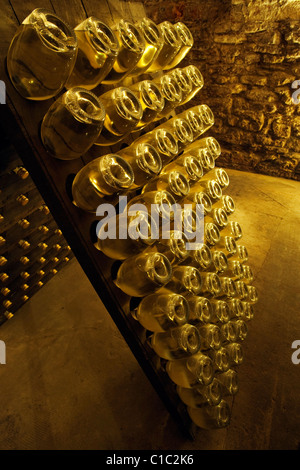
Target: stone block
<point x="251" y="27"/>
<point x="296" y="126"/>
<point x="281" y="128"/>
<point x="261" y="95"/>
<point x="249" y="120"/>
<point x="254" y="79"/>
<point x="273" y="59"/>
<point x="279" y="78"/>
<point x="230" y="38"/>
<point x="267" y="37"/>
<point x="285" y="94"/>
<point x="251" y="58"/>
<point x="292" y="52"/>
<point x="273" y="49"/>
<point x="277" y="165"/>
<point x="292" y="37"/>
<point x="228" y="53"/>
<point x="219" y="105"/>
<point x="293" y="144"/>
<point x="236" y="88"/>
<point x="222" y="79"/>
<point x="222" y="26"/>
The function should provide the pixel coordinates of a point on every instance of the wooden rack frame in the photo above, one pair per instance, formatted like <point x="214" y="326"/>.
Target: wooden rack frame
<point x="21" y="120"/>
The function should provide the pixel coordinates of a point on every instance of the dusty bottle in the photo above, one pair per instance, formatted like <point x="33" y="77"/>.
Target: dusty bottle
<point x="185" y="280"/>
<point x="181" y="130"/>
<point x="98" y="48"/>
<point x="186" y="43"/>
<point x="228" y="288"/>
<point x="208" y="143"/>
<point x="153" y="43"/>
<point x="210" y="335"/>
<point x="211" y="234"/>
<point x="200" y="198"/>
<point x="173" y="245"/>
<point x="151" y="99"/>
<point x="218" y="174"/>
<point x="252" y="296"/>
<point x="123" y="113"/>
<point x="218" y="217"/>
<point x="190" y="222"/>
<point x="211" y="284"/>
<point x="176" y="343"/>
<point x="242" y="290"/>
<point x="221" y="311"/>
<point x="4" y="277"/>
<point x="206" y="159"/>
<point x="171" y="44"/>
<point x="200" y="395"/>
<point x="201" y="257"/>
<point x="200" y="309"/>
<point x="186" y="164"/>
<point x="234" y="331"/>
<point x="163" y="141"/>
<point x="233" y="229"/>
<point x="72" y="124"/>
<point x="158" y="203"/>
<point x="101" y="177"/>
<point x="210" y="187"/>
<point x="191" y="372"/>
<point x="241" y="254"/>
<point x="219" y="261"/>
<point x="205" y="117"/>
<point x="235" y="353"/>
<point x="228" y="382"/>
<point x="220" y="358"/>
<point x="22" y="200"/>
<point x="143" y="274"/>
<point x="3" y="260"/>
<point x="173" y="182"/>
<point x="21" y="172"/>
<point x="248" y="311"/>
<point x="227" y="245"/>
<point x="131" y="48"/>
<point x="126" y="235"/>
<point x="211" y="417"/>
<point x="227" y="203"/>
<point x="196" y="78"/>
<point x="171" y="91"/>
<point x="194" y="121"/>
<point x="234" y="270"/>
<point x="41" y="55"/>
<point x="184" y="81"/>
<point x="159" y="312"/>
<point x="236" y="308"/>
<point x="144" y="160"/>
<point x="248" y="275"/>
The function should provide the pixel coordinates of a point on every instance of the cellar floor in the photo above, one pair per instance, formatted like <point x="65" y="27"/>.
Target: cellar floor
<point x="71" y="382"/>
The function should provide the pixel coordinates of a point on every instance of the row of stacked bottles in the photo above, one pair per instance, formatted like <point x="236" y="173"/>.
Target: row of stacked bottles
<point x="32" y="247"/>
<point x="195" y="303"/>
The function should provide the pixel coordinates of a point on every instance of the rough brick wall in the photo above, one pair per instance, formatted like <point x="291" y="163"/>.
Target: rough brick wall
<point x="248" y="52"/>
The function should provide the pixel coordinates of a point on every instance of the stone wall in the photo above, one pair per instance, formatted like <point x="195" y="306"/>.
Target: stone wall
<point x="248" y="52"/>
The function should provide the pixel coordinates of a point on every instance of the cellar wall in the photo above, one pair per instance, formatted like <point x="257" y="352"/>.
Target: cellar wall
<point x="248" y="53"/>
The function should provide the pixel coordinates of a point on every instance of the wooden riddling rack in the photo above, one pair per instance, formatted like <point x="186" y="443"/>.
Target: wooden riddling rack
<point x="32" y="247"/>
<point x="21" y="121"/>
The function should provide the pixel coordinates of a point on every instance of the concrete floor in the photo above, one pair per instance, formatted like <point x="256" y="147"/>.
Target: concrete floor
<point x="71" y="382"/>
